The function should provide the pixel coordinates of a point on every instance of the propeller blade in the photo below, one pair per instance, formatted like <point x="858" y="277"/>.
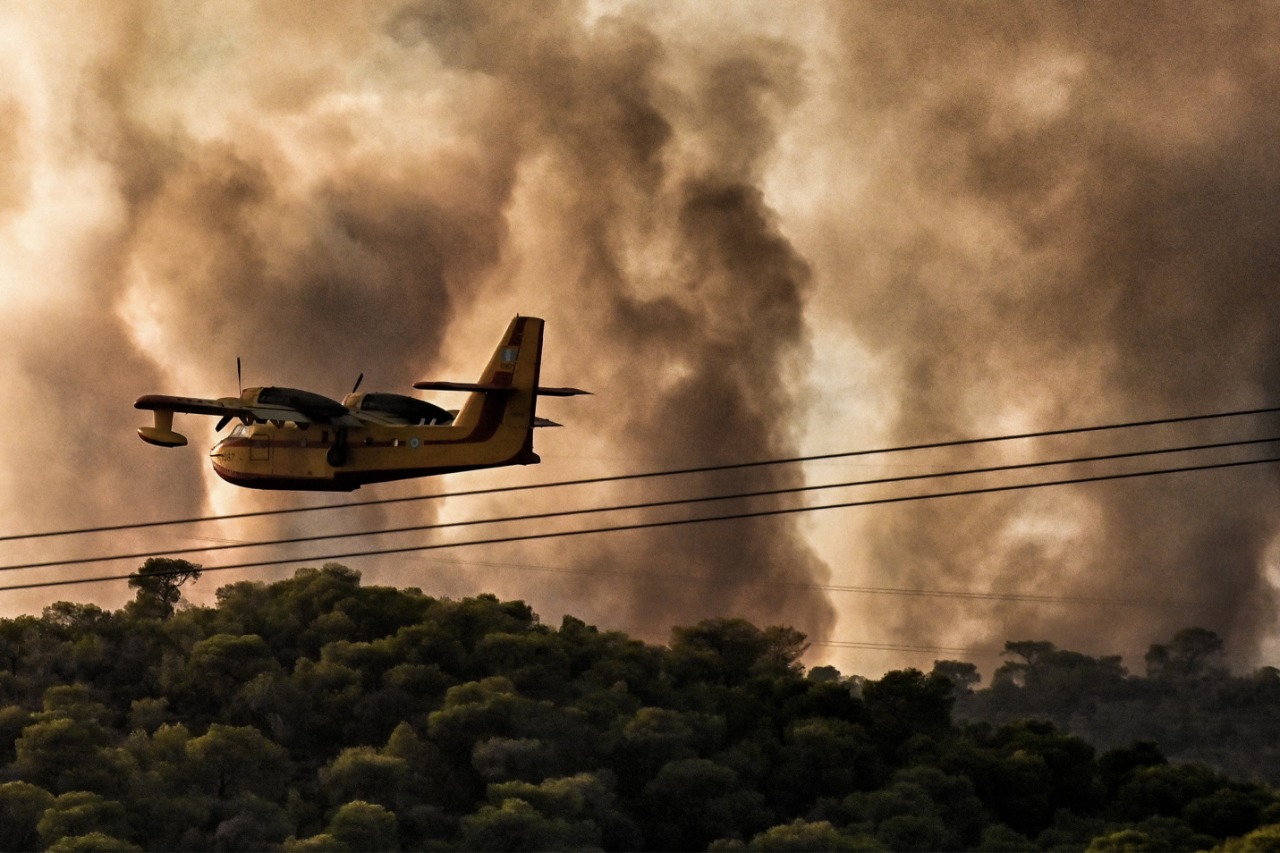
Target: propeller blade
<point x="359" y="379"/>
<point x="222" y="422"/>
<point x="239" y="381"/>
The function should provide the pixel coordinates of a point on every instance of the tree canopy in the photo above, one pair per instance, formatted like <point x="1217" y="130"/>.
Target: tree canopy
<point x="318" y="713"/>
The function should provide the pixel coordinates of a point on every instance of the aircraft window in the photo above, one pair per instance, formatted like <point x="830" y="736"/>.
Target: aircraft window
<point x="240" y="431"/>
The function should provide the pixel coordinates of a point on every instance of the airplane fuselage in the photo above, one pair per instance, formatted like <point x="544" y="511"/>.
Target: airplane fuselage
<point x="265" y="456"/>
<point x="323" y="457"/>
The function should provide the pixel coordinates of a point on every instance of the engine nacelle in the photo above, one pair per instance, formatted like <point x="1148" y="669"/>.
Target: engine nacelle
<point x="408" y="409"/>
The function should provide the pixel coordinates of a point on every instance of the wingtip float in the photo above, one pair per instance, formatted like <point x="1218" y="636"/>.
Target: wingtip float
<point x="293" y="439"/>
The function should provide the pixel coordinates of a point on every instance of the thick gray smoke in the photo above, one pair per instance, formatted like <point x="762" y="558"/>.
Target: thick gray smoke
<point x="686" y="300"/>
<point x="1077" y="223"/>
<point x="754" y="229"/>
<point x="324" y="191"/>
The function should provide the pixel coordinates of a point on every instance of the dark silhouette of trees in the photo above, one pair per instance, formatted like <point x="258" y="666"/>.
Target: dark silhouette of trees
<point x="159" y="583"/>
<point x="317" y="713"/>
<point x="1193" y="653"/>
<point x="1188" y="704"/>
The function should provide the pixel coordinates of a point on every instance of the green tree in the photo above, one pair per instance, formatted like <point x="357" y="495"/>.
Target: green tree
<point x="802" y="836"/>
<point x="320" y="843"/>
<point x="998" y="838"/>
<point x="217" y="669"/>
<point x="13" y="719"/>
<point x="228" y="760"/>
<point x="1227" y="811"/>
<point x="693" y="801"/>
<point x="1117" y="766"/>
<point x="535" y="661"/>
<point x="16" y="640"/>
<point x="517" y="826"/>
<point x="478" y="710"/>
<point x="1016" y="788"/>
<point x="1193" y="653"/>
<point x="1153" y="835"/>
<point x="365" y="826"/>
<point x="905" y="703"/>
<point x="159" y="583"/>
<point x="1074" y="778"/>
<point x="1164" y="789"/>
<point x="963" y="676"/>
<point x="731" y="650"/>
<point x="64" y="753"/>
<point x="93" y="842"/>
<point x="249" y="823"/>
<point x="362" y="773"/>
<point x="500" y="759"/>
<point x="21" y="806"/>
<point x="913" y="832"/>
<point x="79" y="813"/>
<point x="584" y="798"/>
<point x="329" y="694"/>
<point x="822" y="757"/>
<point x="654" y="737"/>
<point x="1264" y="839"/>
<point x="429" y="776"/>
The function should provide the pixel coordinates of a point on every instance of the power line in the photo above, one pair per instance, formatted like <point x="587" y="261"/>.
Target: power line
<point x="703" y="469"/>
<point x="542" y="516"/>
<point x="665" y="523"/>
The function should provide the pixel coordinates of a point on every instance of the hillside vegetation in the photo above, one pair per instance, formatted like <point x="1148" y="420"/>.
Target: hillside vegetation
<point x="319" y="714"/>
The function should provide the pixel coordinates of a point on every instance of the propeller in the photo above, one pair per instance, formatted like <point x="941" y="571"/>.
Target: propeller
<point x="226" y="419"/>
<point x="359" y="379"/>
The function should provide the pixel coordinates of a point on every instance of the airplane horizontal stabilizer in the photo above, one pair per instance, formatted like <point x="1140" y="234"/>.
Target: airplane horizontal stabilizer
<point x="463" y="386"/>
<point x="485" y="388"/>
<point x="561" y="392"/>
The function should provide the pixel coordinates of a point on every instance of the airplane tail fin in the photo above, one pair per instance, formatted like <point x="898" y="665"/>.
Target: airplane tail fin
<point x="502" y="404"/>
<point x="509" y="379"/>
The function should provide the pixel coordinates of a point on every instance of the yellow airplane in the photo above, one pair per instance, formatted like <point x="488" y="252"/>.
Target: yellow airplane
<point x="291" y="439"/>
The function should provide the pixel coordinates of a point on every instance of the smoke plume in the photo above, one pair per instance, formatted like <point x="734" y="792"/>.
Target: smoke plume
<point x="327" y="190"/>
<point x="755" y="231"/>
<point x="1074" y="223"/>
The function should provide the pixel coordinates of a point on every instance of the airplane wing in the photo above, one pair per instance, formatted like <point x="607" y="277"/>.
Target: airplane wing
<point x="225" y="407"/>
<point x="287" y="404"/>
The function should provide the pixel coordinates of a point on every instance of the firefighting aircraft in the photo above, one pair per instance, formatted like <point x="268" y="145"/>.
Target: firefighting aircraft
<point x="291" y="439"/>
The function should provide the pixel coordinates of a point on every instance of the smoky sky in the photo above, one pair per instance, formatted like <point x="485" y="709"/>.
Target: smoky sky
<point x="1076" y="224"/>
<point x="1017" y="216"/>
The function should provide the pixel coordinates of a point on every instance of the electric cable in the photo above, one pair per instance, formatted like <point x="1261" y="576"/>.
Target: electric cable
<point x="650" y="525"/>
<point x="702" y="469"/>
<point x="542" y="516"/>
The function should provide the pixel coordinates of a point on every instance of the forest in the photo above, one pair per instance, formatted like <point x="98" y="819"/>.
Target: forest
<point x="318" y="713"/>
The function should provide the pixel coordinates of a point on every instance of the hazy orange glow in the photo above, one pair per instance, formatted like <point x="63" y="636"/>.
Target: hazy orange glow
<point x="755" y="230"/>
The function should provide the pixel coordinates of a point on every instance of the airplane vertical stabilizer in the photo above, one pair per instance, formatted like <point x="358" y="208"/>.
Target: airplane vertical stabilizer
<point x="503" y="404"/>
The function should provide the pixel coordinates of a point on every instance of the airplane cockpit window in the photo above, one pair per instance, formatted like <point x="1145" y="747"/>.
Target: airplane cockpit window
<point x="240" y="431"/>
